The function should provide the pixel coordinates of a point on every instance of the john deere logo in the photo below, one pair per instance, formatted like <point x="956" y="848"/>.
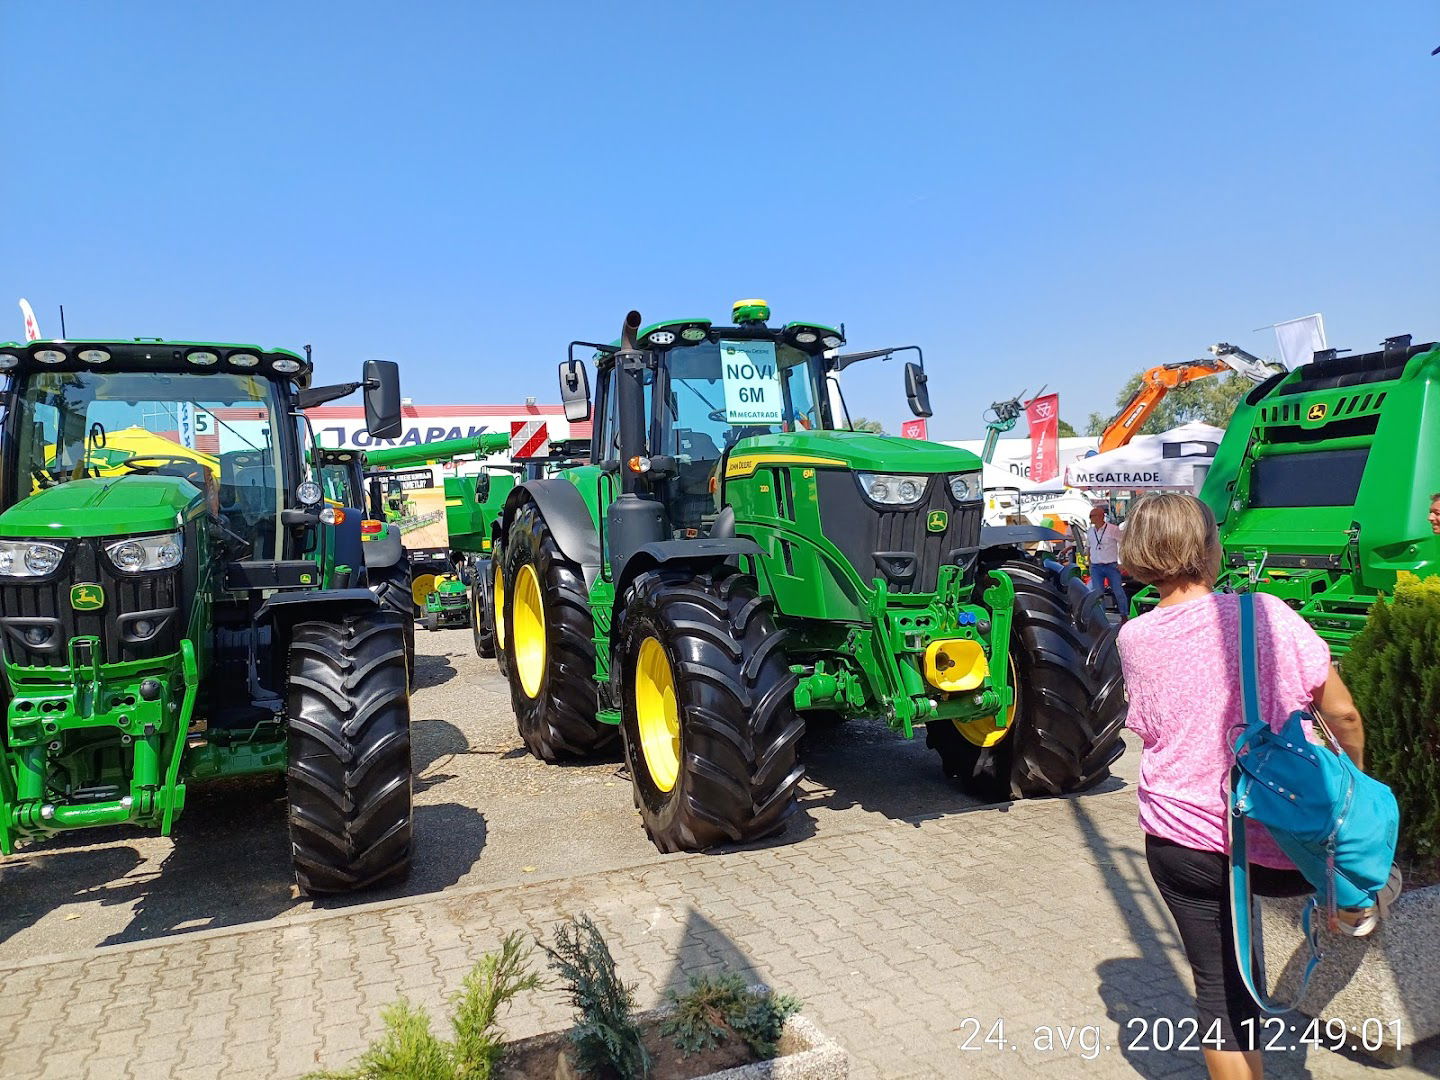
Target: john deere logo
<point x="937" y="521"/>
<point x="1317" y="412"/>
<point x="87" y="597"/>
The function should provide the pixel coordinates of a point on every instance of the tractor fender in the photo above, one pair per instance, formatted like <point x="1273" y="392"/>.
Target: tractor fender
<point x="385" y="550"/>
<point x="567" y="516"/>
<point x="698" y="553"/>
<point x="285" y="609"/>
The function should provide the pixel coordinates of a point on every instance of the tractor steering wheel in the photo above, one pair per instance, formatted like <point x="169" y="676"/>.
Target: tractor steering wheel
<point x="153" y="463"/>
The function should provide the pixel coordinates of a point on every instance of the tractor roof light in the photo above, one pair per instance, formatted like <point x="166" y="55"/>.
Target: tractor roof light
<point x="49" y="356"/>
<point x="203" y="358"/>
<point x="243" y="360"/>
<point x="807" y="335"/>
<point x="749" y="311"/>
<point x="660" y="337"/>
<point x="8" y="360"/>
<point x="285" y="365"/>
<point x="94" y="356"/>
<point x="697" y="332"/>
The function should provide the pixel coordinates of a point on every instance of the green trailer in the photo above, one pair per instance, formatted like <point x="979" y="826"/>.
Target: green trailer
<point x="178" y="603"/>
<point x="735" y="561"/>
<point x="1323" y="481"/>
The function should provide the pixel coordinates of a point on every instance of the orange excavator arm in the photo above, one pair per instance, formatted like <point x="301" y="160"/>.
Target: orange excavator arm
<point x="1156" y="383"/>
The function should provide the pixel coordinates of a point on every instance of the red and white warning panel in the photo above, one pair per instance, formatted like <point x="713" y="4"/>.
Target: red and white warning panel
<point x="529" y="439"/>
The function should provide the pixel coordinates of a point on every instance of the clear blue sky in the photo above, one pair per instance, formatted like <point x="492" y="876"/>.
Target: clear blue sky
<point x="1064" y="195"/>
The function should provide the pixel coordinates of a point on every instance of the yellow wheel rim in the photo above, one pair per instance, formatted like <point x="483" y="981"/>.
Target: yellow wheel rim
<point x="657" y="714"/>
<point x="422" y="587"/>
<point x="984" y="731"/>
<point x="499" y="609"/>
<point x="528" y="615"/>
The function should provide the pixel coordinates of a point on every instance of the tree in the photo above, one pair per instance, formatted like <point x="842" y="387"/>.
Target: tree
<point x="864" y="423"/>
<point x="1066" y="431"/>
<point x="1210" y="400"/>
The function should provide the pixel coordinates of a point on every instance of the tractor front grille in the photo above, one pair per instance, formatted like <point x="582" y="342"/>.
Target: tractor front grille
<point x="131" y="601"/>
<point x="897" y="546"/>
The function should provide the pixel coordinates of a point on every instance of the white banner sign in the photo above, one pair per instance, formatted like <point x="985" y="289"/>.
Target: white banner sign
<point x="752" y="382"/>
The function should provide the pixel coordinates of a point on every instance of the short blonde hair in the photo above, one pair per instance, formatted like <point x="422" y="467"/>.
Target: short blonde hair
<point x="1170" y="538"/>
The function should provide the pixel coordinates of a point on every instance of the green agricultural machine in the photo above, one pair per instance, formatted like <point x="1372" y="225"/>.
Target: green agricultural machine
<point x="435" y="580"/>
<point x="736" y="560"/>
<point x="1322" y="484"/>
<point x="178" y="603"/>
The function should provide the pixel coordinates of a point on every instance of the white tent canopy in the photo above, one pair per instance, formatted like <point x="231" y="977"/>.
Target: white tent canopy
<point x="1175" y="460"/>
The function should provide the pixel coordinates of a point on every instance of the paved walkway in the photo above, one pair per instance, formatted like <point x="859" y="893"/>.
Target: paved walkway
<point x="895" y="935"/>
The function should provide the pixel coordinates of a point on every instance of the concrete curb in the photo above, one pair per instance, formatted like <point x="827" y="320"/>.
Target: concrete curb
<point x="1392" y="975"/>
<point x="805" y="1053"/>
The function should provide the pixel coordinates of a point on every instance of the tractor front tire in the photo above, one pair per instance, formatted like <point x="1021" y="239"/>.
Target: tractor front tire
<point x="391" y="586"/>
<point x="482" y="610"/>
<point x="549" y="645"/>
<point x="1069" y="698"/>
<point x="348" y="719"/>
<point x="710" y="729"/>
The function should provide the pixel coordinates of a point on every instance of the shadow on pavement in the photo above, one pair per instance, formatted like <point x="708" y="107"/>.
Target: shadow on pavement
<point x="705" y="949"/>
<point x="34" y="882"/>
<point x="1139" y="991"/>
<point x="431" y="671"/>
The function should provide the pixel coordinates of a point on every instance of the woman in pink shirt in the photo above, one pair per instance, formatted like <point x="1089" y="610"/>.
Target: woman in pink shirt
<point x="1182" y="673"/>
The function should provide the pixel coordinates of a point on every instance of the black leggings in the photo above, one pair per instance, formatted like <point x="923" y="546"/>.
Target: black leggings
<point x="1196" y="888"/>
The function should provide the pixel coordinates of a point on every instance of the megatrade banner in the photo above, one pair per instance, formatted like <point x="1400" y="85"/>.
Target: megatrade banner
<point x="1043" y="415"/>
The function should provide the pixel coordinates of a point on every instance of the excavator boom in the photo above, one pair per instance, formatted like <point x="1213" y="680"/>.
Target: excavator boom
<point x="1155" y="384"/>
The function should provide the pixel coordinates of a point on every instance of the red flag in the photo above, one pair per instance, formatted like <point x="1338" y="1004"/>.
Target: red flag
<point x="913" y="429"/>
<point x="1043" y="415"/>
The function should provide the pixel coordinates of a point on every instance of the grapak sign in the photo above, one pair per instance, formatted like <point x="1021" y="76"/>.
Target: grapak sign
<point x="343" y="426"/>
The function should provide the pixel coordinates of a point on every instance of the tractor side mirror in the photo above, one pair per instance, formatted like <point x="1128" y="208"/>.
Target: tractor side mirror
<point x="575" y="391"/>
<point x="382" y="398"/>
<point x="917" y="392"/>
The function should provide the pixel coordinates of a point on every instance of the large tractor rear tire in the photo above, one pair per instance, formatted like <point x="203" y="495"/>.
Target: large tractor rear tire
<point x="482" y="610"/>
<point x="549" y="636"/>
<point x="348" y="714"/>
<point x="711" y="733"/>
<point x="1064" y="729"/>
<point x="391" y="586"/>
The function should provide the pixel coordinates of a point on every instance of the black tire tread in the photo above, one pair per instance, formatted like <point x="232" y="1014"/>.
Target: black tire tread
<point x="1072" y="695"/>
<point x="348" y="720"/>
<point x="740" y="732"/>
<point x="560" y="722"/>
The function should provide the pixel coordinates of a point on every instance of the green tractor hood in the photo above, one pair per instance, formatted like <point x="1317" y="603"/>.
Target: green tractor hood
<point x="859" y="450"/>
<point x="105" y="506"/>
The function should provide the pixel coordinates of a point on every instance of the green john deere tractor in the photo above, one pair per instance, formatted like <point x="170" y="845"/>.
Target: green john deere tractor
<point x="1322" y="484"/>
<point x="178" y="604"/>
<point x="735" y="561"/>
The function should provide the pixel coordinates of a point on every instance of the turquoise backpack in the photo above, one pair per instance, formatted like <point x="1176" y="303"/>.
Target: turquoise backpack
<point x="1337" y="825"/>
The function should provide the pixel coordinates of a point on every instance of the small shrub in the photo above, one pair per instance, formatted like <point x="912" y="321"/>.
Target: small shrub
<point x="409" y="1050"/>
<point x="1393" y="669"/>
<point x="606" y="1037"/>
<point x="713" y="1006"/>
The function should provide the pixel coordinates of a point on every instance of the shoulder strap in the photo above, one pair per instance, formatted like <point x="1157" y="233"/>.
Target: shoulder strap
<point x="1249" y="951"/>
<point x="1249" y="661"/>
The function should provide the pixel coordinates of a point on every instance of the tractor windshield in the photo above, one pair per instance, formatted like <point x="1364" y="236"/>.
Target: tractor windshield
<point x="721" y="392"/>
<point x="216" y="430"/>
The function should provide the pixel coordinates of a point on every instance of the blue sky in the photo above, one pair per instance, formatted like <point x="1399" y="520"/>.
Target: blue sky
<point x="1039" y="193"/>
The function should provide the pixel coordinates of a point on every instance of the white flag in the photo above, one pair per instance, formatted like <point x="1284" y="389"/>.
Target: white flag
<point x="1300" y="340"/>
<point x="32" y="328"/>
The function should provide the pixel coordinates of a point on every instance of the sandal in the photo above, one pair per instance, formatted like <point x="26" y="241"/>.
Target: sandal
<point x="1361" y="922"/>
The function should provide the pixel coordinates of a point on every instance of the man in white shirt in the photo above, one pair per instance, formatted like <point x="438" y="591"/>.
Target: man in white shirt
<point x="1103" y="541"/>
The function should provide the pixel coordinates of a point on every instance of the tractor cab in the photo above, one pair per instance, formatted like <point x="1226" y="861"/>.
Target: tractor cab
<point x="164" y="540"/>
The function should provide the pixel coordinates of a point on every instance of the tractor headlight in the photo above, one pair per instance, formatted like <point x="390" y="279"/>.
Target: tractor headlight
<point x="892" y="489"/>
<point x="139" y="553"/>
<point x="965" y="486"/>
<point x="29" y="558"/>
